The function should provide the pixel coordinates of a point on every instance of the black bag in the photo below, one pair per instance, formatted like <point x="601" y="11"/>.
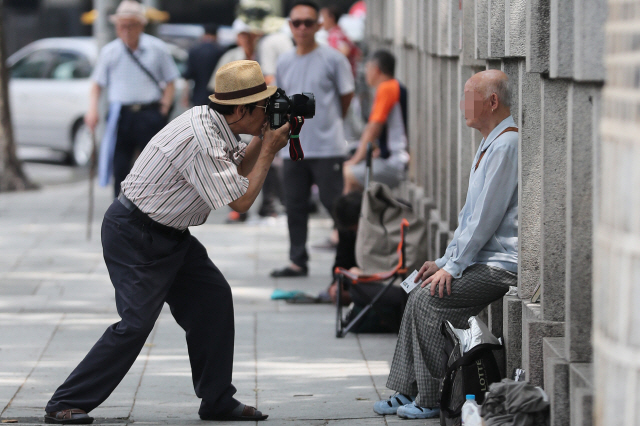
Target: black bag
<point x="385" y="315"/>
<point x="469" y="374"/>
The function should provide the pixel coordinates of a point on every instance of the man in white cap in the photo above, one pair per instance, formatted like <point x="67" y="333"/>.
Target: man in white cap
<point x="138" y="73"/>
<point x="196" y="164"/>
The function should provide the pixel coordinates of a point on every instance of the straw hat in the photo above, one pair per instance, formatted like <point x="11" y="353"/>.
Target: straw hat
<point x="129" y="9"/>
<point x="240" y="83"/>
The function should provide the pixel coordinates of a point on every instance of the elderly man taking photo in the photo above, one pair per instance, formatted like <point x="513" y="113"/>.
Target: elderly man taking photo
<point x="479" y="264"/>
<point x="194" y="165"/>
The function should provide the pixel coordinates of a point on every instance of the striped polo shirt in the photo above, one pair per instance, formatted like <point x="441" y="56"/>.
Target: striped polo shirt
<point x="188" y="169"/>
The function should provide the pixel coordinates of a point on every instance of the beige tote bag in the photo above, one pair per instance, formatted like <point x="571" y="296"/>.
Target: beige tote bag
<point x="379" y="232"/>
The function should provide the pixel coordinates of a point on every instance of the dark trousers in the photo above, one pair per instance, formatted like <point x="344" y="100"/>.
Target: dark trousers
<point x="135" y="130"/>
<point x="149" y="266"/>
<point x="271" y="192"/>
<point x="298" y="178"/>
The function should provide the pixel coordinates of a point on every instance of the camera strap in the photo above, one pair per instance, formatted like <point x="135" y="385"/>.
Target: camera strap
<point x="295" y="149"/>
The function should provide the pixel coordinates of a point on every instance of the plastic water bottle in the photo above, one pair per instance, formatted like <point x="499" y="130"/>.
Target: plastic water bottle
<point x="471" y="412"/>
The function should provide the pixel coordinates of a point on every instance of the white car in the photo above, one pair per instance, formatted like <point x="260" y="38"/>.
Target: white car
<point x="49" y="93"/>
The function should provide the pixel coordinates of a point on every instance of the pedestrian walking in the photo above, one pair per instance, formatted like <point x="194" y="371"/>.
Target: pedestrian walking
<point x="196" y="164"/>
<point x="202" y="61"/>
<point x="337" y="38"/>
<point x="138" y="73"/>
<point x="326" y="73"/>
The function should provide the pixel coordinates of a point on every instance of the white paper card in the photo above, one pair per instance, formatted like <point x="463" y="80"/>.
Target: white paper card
<point x="408" y="283"/>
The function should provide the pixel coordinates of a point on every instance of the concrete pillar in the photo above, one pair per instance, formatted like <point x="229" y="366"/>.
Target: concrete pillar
<point x="561" y="39"/>
<point x="534" y="330"/>
<point x="482" y="29"/>
<point x="448" y="27"/>
<point x="410" y="22"/>
<point x="511" y="67"/>
<point x="616" y="333"/>
<point x="425" y="110"/>
<point x="432" y="17"/>
<point x="452" y="107"/>
<point x="512" y="333"/>
<point x="515" y="13"/>
<point x="376" y="23"/>
<point x="589" y="17"/>
<point x="388" y="22"/>
<point x="496" y="43"/>
<point x="414" y="110"/>
<point x="432" y="77"/>
<point x="468" y="139"/>
<point x="581" y="386"/>
<point x="529" y="181"/>
<point x="537" y="40"/>
<point x="554" y="190"/>
<point x="467" y="28"/>
<point x="580" y="141"/>
<point x="556" y="380"/>
<point x="442" y="140"/>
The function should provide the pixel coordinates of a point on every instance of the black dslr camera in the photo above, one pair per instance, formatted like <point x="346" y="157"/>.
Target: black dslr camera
<point x="280" y="106"/>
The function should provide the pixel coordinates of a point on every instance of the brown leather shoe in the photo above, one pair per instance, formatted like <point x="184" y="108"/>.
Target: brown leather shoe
<point x="70" y="416"/>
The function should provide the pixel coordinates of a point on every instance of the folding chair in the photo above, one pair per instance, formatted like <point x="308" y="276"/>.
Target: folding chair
<point x="347" y="279"/>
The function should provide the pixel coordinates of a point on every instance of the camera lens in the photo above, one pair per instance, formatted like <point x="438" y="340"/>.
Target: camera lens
<point x="303" y="105"/>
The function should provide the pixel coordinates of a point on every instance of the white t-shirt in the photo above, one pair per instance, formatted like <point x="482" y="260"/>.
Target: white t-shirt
<point x="270" y="48"/>
<point x="326" y="73"/>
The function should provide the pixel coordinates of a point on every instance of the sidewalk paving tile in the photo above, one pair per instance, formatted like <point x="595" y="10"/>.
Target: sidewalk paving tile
<point x="56" y="300"/>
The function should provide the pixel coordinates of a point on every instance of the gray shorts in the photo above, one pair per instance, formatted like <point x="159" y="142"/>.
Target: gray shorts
<point x="389" y="173"/>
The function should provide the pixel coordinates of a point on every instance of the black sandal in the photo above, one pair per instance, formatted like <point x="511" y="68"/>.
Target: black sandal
<point x="290" y="272"/>
<point x="70" y="416"/>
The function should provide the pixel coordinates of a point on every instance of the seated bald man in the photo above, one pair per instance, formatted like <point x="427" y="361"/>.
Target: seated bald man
<point x="479" y="264"/>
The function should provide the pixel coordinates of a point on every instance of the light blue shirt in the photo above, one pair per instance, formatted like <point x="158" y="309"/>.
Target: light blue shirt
<point x="487" y="230"/>
<point x="126" y="83"/>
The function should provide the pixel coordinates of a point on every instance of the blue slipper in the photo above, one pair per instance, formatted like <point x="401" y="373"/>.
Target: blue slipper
<point x="391" y="405"/>
<point x="413" y="411"/>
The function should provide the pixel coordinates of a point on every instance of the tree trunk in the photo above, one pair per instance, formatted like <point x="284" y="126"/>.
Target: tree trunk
<point x="12" y="178"/>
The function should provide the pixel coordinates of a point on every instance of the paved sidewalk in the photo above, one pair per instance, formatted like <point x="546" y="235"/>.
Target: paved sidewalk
<point x="56" y="300"/>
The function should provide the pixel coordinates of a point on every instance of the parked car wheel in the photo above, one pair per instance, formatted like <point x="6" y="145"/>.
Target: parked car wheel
<point x="80" y="154"/>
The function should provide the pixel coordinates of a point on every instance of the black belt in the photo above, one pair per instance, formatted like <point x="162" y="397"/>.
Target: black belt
<point x="167" y="230"/>
<point x="141" y="107"/>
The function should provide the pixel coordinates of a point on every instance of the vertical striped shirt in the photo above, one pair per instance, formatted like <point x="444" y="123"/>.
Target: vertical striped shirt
<point x="188" y="169"/>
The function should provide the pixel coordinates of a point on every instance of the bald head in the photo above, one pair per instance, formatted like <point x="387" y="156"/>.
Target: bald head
<point x="492" y="81"/>
<point x="487" y="100"/>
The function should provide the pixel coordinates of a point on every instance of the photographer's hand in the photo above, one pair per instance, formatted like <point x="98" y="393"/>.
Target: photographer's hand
<point x="274" y="140"/>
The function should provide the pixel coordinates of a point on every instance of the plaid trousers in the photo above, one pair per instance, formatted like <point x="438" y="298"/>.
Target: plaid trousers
<point x="417" y="362"/>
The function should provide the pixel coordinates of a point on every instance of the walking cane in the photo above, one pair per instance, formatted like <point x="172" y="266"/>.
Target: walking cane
<point x="92" y="173"/>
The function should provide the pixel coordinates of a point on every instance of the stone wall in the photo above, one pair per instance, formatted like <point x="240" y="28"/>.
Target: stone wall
<point x="552" y="51"/>
<point x="616" y="333"/>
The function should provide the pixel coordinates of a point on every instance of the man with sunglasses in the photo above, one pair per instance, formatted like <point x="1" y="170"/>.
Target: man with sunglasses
<point x="326" y="73"/>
